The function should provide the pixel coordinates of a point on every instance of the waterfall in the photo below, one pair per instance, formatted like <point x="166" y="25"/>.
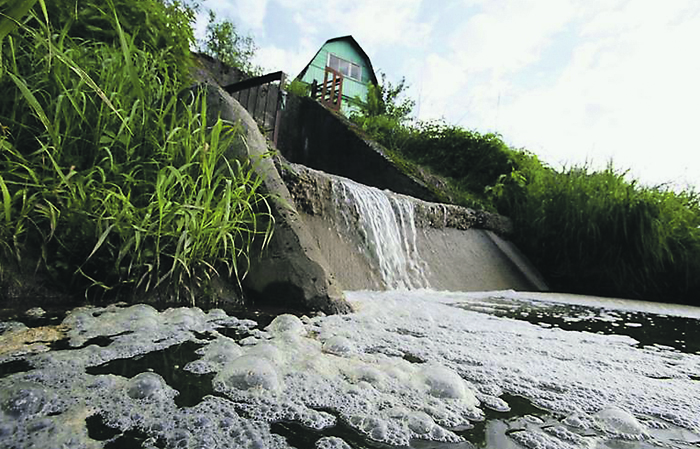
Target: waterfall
<point x="382" y="225"/>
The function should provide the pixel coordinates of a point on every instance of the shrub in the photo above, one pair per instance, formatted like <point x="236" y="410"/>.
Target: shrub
<point x="478" y="160"/>
<point x="298" y="88"/>
<point x="158" y="26"/>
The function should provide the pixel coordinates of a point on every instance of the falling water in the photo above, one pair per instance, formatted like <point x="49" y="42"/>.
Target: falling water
<point x="384" y="226"/>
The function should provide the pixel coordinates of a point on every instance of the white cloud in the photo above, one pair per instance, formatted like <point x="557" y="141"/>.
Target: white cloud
<point x="507" y="35"/>
<point x="630" y="95"/>
<point x="373" y="23"/>
<point x="437" y="97"/>
<point x="248" y="15"/>
<point x="272" y="58"/>
<point x="473" y="73"/>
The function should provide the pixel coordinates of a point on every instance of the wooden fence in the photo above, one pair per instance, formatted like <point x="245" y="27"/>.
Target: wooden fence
<point x="262" y="97"/>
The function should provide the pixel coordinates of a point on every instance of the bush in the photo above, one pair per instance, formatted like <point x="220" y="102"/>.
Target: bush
<point x="478" y="160"/>
<point x="298" y="88"/>
<point x="157" y="26"/>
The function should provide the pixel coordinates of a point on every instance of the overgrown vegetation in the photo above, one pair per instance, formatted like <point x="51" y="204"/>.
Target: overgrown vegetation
<point x="110" y="175"/>
<point x="587" y="231"/>
<point x="595" y="232"/>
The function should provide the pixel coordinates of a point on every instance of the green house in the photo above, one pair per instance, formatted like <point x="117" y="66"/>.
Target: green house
<point x="343" y="55"/>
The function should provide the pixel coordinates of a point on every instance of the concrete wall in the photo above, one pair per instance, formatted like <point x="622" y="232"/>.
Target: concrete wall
<point x="316" y="137"/>
<point x="461" y="249"/>
<point x="456" y="260"/>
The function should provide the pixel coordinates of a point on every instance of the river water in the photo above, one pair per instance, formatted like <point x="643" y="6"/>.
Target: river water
<point x="420" y="369"/>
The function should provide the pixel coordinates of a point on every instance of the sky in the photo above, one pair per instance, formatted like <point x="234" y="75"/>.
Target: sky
<point x="573" y="81"/>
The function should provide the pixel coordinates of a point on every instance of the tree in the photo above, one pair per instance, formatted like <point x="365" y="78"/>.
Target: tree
<point x="225" y="43"/>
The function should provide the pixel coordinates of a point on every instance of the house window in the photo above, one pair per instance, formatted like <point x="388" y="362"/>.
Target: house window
<point x="347" y="68"/>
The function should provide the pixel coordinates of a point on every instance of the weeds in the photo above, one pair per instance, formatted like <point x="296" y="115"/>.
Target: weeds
<point x="595" y="232"/>
<point x="110" y="176"/>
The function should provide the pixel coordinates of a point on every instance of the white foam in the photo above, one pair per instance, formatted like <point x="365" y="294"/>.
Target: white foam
<point x="332" y="443"/>
<point x="619" y="421"/>
<point x="286" y="325"/>
<point x="215" y="356"/>
<point x="338" y="345"/>
<point x="356" y="368"/>
<point x="148" y="386"/>
<point x="249" y="372"/>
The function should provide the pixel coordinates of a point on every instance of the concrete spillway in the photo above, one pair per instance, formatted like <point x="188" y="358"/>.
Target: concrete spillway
<point x="374" y="239"/>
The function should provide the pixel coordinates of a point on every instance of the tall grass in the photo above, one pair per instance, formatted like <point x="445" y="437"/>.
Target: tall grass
<point x="109" y="176"/>
<point x="596" y="232"/>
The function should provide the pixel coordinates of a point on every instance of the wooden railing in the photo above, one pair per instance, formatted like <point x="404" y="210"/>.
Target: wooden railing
<point x="263" y="99"/>
<point x="330" y="91"/>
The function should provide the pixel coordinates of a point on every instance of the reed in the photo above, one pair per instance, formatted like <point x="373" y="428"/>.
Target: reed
<point x="596" y="232"/>
<point x="109" y="174"/>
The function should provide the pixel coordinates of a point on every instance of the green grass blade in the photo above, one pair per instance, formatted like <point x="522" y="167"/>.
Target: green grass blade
<point x="127" y="53"/>
<point x="42" y="3"/>
<point x="100" y="241"/>
<point x="93" y="85"/>
<point x="34" y="104"/>
<point x="16" y="12"/>
<point x="6" y="200"/>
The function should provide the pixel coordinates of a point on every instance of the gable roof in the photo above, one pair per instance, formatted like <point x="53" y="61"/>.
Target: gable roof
<point x="351" y="40"/>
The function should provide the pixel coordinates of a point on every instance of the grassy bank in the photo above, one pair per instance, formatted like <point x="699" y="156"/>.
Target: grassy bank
<point x="110" y="175"/>
<point x="587" y="231"/>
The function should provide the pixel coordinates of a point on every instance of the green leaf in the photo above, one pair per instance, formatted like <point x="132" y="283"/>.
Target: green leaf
<point x="127" y="53"/>
<point x="93" y="85"/>
<point x="100" y="241"/>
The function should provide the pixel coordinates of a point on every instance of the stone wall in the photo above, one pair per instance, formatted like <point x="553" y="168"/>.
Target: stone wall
<point x="290" y="271"/>
<point x="311" y="190"/>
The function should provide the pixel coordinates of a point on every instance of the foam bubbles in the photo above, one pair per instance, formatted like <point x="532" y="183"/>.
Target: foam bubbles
<point x="354" y="369"/>
<point x="338" y="345"/>
<point x="332" y="443"/>
<point x="145" y="386"/>
<point x="617" y="420"/>
<point x="445" y="383"/>
<point x="250" y="372"/>
<point x="286" y="324"/>
<point x="215" y="356"/>
<point x="23" y="400"/>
